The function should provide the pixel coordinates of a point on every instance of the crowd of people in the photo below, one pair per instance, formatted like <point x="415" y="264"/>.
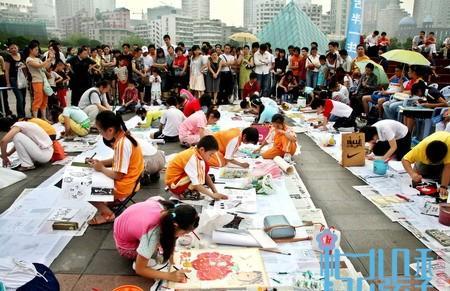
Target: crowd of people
<point x="192" y="83"/>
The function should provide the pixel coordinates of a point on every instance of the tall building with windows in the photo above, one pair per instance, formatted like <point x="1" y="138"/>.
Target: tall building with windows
<point x="390" y="18"/>
<point x="179" y="27"/>
<point x="210" y="30"/>
<point x="250" y="14"/>
<point x="196" y="9"/>
<point x="156" y="12"/>
<point x="150" y="31"/>
<point x="44" y="10"/>
<point x="338" y="18"/>
<point x="438" y="10"/>
<point x="314" y="12"/>
<point x="370" y="14"/>
<point x="266" y="11"/>
<point x="68" y="8"/>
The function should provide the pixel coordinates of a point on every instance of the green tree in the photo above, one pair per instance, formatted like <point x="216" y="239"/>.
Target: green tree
<point x="407" y="43"/>
<point x="395" y="44"/>
<point x="77" y="40"/>
<point x="133" y="39"/>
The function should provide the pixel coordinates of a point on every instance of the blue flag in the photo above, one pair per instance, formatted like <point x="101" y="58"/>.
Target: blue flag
<point x="354" y="27"/>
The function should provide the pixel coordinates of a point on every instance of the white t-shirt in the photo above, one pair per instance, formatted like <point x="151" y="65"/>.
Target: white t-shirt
<point x="35" y="133"/>
<point x="148" y="61"/>
<point x="342" y="95"/>
<point x="94" y="98"/>
<point x="390" y="129"/>
<point x="340" y="109"/>
<point x="371" y="40"/>
<point x="348" y="79"/>
<point x="231" y="148"/>
<point x="53" y="77"/>
<point x="313" y="60"/>
<point x="172" y="118"/>
<point x="266" y="101"/>
<point x="156" y="83"/>
<point x="226" y="58"/>
<point x="263" y="62"/>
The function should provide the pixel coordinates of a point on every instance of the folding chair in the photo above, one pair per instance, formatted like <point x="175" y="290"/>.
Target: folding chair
<point x="121" y="205"/>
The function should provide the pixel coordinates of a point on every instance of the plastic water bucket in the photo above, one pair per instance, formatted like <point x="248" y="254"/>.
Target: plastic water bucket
<point x="380" y="167"/>
<point x="128" y="288"/>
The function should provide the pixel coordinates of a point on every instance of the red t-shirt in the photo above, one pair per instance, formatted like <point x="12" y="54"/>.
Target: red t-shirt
<point x="302" y="69"/>
<point x="179" y="61"/>
<point x="295" y="61"/>
<point x="191" y="107"/>
<point x="250" y="89"/>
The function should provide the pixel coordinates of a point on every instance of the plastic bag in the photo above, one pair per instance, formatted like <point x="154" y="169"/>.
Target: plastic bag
<point x="22" y="81"/>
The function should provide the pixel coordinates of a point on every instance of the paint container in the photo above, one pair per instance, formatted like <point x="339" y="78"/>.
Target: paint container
<point x="380" y="167"/>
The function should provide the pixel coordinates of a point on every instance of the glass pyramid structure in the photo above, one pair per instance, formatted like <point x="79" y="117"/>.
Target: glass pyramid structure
<point x="292" y="27"/>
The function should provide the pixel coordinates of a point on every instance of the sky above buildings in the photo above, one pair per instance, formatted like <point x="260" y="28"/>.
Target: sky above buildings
<point x="229" y="11"/>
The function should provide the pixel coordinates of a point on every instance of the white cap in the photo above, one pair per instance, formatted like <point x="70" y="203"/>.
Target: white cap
<point x="144" y="49"/>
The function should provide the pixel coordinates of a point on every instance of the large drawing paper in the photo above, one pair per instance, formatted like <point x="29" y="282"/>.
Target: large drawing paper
<point x="219" y="268"/>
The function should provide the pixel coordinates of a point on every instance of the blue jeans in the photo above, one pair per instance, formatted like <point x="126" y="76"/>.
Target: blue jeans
<point x="264" y="82"/>
<point x="311" y="78"/>
<point x="391" y="109"/>
<point x="20" y="97"/>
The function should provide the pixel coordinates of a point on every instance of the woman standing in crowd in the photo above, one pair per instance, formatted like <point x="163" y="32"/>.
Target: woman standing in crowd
<point x="108" y="65"/>
<point x="161" y="64"/>
<point x="246" y="66"/>
<point x="312" y="66"/>
<point x="37" y="69"/>
<point x="13" y="67"/>
<point x="180" y="66"/>
<point x="196" y="80"/>
<point x="213" y="75"/>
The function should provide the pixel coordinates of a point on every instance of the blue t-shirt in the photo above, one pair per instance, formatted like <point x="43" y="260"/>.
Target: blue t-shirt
<point x="267" y="114"/>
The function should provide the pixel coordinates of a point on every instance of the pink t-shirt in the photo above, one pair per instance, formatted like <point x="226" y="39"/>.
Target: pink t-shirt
<point x="135" y="222"/>
<point x="192" y="124"/>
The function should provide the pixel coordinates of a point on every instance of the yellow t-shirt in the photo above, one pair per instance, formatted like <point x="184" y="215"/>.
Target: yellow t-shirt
<point x="47" y="127"/>
<point x="418" y="153"/>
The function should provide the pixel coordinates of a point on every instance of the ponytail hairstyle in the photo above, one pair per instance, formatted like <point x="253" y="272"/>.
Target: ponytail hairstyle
<point x="256" y="102"/>
<point x="107" y="119"/>
<point x="184" y="215"/>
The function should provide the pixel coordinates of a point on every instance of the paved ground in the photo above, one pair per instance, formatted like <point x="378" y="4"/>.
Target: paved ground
<point x="91" y="261"/>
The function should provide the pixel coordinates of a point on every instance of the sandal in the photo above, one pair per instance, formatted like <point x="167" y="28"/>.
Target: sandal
<point x="102" y="219"/>
<point x="23" y="169"/>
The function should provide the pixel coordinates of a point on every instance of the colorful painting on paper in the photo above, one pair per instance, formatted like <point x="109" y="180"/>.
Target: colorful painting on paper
<point x="219" y="268"/>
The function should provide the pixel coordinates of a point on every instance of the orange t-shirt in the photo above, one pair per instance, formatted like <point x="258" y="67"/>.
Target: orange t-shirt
<point x="128" y="160"/>
<point x="225" y="136"/>
<point x="295" y="62"/>
<point x="47" y="127"/>
<point x="187" y="163"/>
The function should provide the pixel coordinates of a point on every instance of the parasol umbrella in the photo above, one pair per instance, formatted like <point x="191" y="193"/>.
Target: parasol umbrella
<point x="244" y="37"/>
<point x="406" y="57"/>
<point x="378" y="71"/>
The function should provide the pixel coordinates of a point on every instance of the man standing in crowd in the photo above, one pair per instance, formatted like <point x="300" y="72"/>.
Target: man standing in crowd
<point x="80" y="79"/>
<point x="263" y="64"/>
<point x="226" y="74"/>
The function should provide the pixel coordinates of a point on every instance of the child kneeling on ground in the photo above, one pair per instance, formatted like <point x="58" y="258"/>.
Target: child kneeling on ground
<point x="187" y="172"/>
<point x="283" y="138"/>
<point x="147" y="232"/>
<point x="229" y="142"/>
